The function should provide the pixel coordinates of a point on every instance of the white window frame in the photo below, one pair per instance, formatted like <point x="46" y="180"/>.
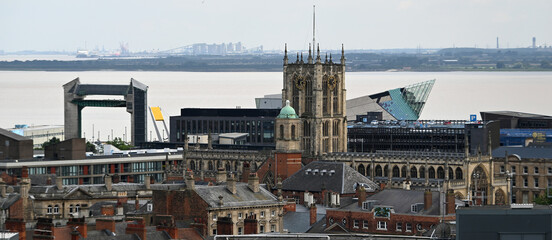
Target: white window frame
<point x="525" y="169"/>
<point x="382" y="225"/>
<point x="56" y="209"/>
<point x="49" y="209"/>
<point x="240" y="215"/>
<point x="273" y="213"/>
<point x="356" y="223"/>
<point x="365" y="224"/>
<point x="240" y="230"/>
<point x="408" y="227"/>
<point x="262" y="214"/>
<point x="272" y="227"/>
<point x="398" y="227"/>
<point x="214" y="217"/>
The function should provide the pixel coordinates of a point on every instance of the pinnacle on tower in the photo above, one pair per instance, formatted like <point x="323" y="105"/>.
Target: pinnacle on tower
<point x="318" y="53"/>
<point x="309" y="59"/>
<point x="301" y="57"/>
<point x="326" y="58"/>
<point x="330" y="57"/>
<point x="342" y="54"/>
<point x="285" y="55"/>
<point x="297" y="57"/>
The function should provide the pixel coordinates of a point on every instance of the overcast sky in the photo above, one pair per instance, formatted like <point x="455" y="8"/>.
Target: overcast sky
<point x="366" y="24"/>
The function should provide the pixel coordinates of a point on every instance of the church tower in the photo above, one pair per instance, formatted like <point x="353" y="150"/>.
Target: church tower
<point x="316" y="90"/>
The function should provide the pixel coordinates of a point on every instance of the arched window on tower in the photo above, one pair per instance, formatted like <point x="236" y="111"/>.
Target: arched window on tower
<point x="292" y="131"/>
<point x="281" y="131"/>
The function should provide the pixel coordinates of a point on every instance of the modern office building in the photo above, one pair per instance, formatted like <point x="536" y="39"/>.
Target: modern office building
<point x="504" y="222"/>
<point x="424" y="136"/>
<point x="521" y="129"/>
<point x="40" y="133"/>
<point x="257" y="123"/>
<point x="404" y="103"/>
<point x="271" y="101"/>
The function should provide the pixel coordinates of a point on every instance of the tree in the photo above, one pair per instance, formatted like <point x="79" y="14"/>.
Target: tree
<point x="91" y="147"/>
<point x="120" y="144"/>
<point x="50" y="142"/>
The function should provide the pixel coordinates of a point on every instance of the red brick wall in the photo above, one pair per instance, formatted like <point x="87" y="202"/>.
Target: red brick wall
<point x="108" y="224"/>
<point x="414" y="220"/>
<point x="183" y="205"/>
<point x="107" y="210"/>
<point x="16" y="210"/>
<point x="289" y="207"/>
<point x="81" y="224"/>
<point x="138" y="227"/>
<point x="17" y="225"/>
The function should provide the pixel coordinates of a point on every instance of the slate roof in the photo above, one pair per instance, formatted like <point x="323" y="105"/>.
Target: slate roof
<point x="243" y="197"/>
<point x="401" y="201"/>
<point x="9" y="200"/>
<point x="95" y="190"/>
<point x="299" y="222"/>
<point x="524" y="152"/>
<point x="518" y="114"/>
<point x="316" y="175"/>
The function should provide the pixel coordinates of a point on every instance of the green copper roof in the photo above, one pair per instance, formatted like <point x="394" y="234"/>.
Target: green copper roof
<point x="287" y="112"/>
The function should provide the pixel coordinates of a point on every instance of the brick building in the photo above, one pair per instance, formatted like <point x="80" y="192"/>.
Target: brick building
<point x="235" y="208"/>
<point x="393" y="211"/>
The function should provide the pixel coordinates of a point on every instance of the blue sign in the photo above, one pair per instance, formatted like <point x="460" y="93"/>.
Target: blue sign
<point x="473" y="117"/>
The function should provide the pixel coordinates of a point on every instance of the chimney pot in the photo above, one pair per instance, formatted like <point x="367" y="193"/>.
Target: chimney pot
<point x="254" y="182"/>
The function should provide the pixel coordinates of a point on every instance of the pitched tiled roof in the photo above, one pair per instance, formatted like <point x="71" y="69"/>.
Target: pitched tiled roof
<point x="243" y="197"/>
<point x="336" y="177"/>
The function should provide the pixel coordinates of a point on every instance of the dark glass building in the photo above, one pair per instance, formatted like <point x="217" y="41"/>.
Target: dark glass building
<point x="521" y="129"/>
<point x="258" y="123"/>
<point x="427" y="136"/>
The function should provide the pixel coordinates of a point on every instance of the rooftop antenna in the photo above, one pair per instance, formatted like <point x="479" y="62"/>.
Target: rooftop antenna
<point x="313" y="25"/>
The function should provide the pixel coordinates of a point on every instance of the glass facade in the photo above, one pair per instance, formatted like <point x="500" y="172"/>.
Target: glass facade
<point x="405" y="103"/>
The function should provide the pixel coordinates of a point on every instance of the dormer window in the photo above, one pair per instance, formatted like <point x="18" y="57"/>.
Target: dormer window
<point x="332" y="172"/>
<point x="315" y="172"/>
<point x="308" y="171"/>
<point x="323" y="172"/>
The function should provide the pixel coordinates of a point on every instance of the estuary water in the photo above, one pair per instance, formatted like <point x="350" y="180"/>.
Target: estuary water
<point x="36" y="97"/>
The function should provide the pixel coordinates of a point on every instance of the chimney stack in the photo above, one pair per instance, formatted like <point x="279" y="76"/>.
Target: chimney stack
<point x="254" y="182"/>
<point x="427" y="199"/>
<point x="245" y="172"/>
<point x="312" y="211"/>
<point x="147" y="182"/>
<point x="3" y="188"/>
<point x="25" y="172"/>
<point x="451" y="203"/>
<point x="361" y="194"/>
<point x="221" y="175"/>
<point x="108" y="183"/>
<point x="190" y="181"/>
<point x="231" y="184"/>
<point x="59" y="183"/>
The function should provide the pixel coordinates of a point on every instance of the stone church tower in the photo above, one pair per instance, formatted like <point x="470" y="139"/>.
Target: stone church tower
<point x="316" y="90"/>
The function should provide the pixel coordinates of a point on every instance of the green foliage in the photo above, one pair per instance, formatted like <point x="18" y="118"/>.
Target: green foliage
<point x="543" y="200"/>
<point x="52" y="141"/>
<point x="120" y="144"/>
<point x="91" y="147"/>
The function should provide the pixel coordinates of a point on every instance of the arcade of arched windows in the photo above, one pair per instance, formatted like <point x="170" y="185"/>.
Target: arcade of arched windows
<point x="433" y="172"/>
<point x="228" y="165"/>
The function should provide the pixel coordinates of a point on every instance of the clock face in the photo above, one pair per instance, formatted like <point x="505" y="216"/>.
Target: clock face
<point x="332" y="82"/>
<point x="300" y="82"/>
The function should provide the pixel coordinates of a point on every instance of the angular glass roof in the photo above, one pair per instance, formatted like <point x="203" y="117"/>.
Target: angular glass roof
<point x="407" y="103"/>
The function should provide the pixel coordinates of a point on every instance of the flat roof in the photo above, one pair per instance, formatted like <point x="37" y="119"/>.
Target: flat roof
<point x="87" y="161"/>
<point x="517" y="114"/>
<point x="228" y="112"/>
